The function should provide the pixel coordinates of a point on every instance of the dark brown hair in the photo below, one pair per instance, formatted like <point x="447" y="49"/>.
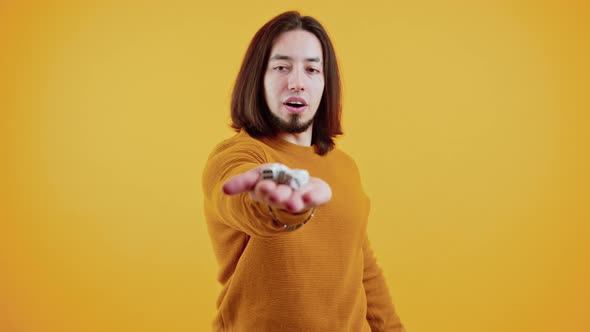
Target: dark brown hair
<point x="248" y="106"/>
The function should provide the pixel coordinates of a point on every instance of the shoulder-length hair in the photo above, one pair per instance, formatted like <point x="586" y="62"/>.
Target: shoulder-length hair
<point x="249" y="110"/>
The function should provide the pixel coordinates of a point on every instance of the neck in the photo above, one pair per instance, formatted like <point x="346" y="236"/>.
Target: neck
<point x="303" y="139"/>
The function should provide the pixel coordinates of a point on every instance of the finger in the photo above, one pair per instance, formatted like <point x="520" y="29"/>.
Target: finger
<point x="263" y="190"/>
<point x="295" y="203"/>
<point x="241" y="183"/>
<point x="316" y="193"/>
<point x="280" y="194"/>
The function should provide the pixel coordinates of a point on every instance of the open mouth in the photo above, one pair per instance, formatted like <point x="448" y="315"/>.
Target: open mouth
<point x="295" y="104"/>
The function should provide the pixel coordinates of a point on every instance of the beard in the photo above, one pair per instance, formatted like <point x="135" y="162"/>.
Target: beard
<point x="292" y="126"/>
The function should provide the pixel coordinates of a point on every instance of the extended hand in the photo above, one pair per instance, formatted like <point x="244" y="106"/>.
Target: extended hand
<point x="315" y="192"/>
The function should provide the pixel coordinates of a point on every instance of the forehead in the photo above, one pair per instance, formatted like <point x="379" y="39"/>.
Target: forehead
<point x="297" y="44"/>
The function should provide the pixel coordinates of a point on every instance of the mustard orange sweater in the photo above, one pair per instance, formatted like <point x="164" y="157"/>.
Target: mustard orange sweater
<point x="320" y="277"/>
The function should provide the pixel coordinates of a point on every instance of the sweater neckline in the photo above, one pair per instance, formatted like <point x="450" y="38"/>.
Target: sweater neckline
<point x="280" y="144"/>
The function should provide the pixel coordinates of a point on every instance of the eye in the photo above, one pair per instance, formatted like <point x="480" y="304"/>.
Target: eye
<point x="313" y="70"/>
<point x="280" y="68"/>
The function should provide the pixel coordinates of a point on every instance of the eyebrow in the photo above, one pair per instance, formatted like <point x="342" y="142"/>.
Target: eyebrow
<point x="286" y="57"/>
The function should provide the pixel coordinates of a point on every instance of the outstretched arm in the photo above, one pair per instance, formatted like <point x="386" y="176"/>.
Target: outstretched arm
<point x="236" y="196"/>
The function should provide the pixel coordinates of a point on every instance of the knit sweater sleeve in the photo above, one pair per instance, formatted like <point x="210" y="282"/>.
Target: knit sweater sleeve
<point x="381" y="313"/>
<point x="239" y="211"/>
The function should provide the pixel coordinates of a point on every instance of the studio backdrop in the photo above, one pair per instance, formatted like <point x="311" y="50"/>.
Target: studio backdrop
<point x="469" y="121"/>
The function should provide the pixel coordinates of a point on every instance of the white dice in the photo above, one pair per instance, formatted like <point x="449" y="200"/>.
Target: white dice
<point x="295" y="178"/>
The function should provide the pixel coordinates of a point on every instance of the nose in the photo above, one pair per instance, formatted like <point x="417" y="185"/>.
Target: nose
<point x="296" y="78"/>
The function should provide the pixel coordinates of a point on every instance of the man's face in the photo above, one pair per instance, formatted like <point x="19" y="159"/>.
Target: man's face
<point x="294" y="80"/>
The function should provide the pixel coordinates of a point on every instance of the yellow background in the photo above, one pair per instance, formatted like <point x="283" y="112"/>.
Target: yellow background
<point x="468" y="119"/>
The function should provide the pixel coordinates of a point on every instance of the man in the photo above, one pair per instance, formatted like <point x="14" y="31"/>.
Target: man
<point x="293" y="256"/>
